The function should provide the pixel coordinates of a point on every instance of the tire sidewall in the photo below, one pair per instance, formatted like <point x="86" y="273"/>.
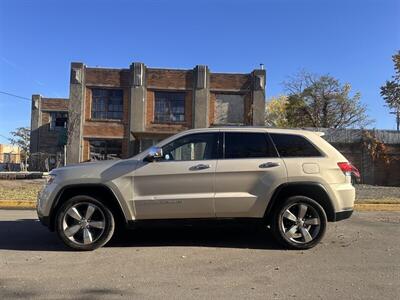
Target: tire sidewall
<point x="278" y="216"/>
<point x="108" y="229"/>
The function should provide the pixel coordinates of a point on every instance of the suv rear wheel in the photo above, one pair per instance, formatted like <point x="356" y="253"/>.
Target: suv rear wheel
<point x="84" y="223"/>
<point x="299" y="223"/>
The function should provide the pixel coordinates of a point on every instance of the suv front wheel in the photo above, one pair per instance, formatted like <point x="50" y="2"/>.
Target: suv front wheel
<point x="299" y="223"/>
<point x="84" y="223"/>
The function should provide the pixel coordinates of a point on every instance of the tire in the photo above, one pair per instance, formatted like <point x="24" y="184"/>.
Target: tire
<point x="299" y="223"/>
<point x="84" y="223"/>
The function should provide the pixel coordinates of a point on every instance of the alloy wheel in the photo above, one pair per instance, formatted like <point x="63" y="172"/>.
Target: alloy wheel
<point x="300" y="223"/>
<point x="83" y="223"/>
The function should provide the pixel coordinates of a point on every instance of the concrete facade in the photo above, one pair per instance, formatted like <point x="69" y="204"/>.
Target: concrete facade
<point x="127" y="110"/>
<point x="201" y="96"/>
<point x="75" y="109"/>
<point x="47" y="141"/>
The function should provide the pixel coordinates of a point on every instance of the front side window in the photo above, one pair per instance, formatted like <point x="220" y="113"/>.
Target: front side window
<point x="200" y="146"/>
<point x="105" y="149"/>
<point x="58" y="120"/>
<point x="248" y="145"/>
<point x="146" y="143"/>
<point x="169" y="107"/>
<point x="291" y="145"/>
<point x="107" y="104"/>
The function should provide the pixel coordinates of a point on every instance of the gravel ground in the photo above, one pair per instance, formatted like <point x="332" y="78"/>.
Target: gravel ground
<point x="372" y="193"/>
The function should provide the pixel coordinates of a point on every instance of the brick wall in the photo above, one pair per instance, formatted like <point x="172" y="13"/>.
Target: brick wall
<point x="220" y="81"/>
<point x="107" y="77"/>
<point x="58" y="104"/>
<point x="169" y="79"/>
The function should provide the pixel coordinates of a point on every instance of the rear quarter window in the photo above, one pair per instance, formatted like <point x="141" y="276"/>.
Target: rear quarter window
<point x="248" y="145"/>
<point x="292" y="145"/>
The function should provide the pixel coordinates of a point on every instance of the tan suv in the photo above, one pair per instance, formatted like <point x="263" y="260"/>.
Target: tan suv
<point x="292" y="181"/>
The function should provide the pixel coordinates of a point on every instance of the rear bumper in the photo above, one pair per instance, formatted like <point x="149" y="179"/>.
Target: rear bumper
<point x="342" y="215"/>
<point x="343" y="196"/>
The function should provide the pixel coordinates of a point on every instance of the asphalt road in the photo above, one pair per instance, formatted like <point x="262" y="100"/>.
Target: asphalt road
<point x="358" y="259"/>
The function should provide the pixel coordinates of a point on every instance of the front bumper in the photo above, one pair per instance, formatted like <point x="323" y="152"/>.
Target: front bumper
<point x="45" y="201"/>
<point x="45" y="221"/>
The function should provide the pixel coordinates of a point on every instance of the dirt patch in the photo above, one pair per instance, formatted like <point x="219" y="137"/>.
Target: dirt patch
<point x="20" y="189"/>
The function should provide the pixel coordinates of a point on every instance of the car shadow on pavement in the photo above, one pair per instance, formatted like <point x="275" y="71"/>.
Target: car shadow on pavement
<point x="251" y="237"/>
<point x="30" y="235"/>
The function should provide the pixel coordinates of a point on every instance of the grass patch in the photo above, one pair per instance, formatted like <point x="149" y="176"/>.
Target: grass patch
<point x="20" y="189"/>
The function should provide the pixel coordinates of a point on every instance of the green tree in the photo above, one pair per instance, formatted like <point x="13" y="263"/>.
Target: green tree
<point x="275" y="112"/>
<point x="21" y="138"/>
<point x="323" y="101"/>
<point x="391" y="90"/>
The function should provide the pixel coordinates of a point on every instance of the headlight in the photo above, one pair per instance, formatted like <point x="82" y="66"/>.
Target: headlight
<point x="50" y="178"/>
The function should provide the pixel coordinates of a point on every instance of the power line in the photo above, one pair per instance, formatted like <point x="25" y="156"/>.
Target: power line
<point x="16" y="96"/>
<point x="3" y="136"/>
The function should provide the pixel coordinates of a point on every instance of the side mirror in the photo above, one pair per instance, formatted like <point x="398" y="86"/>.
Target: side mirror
<point x="155" y="153"/>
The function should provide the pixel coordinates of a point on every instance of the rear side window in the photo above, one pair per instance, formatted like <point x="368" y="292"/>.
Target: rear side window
<point x="291" y="145"/>
<point x="248" y="145"/>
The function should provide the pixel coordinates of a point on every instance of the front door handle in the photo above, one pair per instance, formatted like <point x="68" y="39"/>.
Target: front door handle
<point x="269" y="165"/>
<point x="199" y="167"/>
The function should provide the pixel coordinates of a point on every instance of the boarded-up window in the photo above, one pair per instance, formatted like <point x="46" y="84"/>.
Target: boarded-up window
<point x="229" y="109"/>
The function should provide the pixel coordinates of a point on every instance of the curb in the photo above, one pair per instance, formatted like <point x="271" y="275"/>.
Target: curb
<point x="22" y="204"/>
<point x="17" y="204"/>
<point x="377" y="206"/>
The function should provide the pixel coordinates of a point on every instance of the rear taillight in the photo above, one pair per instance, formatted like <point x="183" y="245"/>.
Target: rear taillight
<point x="349" y="169"/>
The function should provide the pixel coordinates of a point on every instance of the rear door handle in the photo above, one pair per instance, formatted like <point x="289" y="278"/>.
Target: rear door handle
<point x="269" y="165"/>
<point x="199" y="167"/>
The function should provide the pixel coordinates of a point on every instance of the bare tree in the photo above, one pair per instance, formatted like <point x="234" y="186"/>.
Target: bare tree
<point x="322" y="101"/>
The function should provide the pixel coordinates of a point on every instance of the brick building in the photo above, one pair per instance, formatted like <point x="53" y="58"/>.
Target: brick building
<point x="48" y="130"/>
<point x="120" y="112"/>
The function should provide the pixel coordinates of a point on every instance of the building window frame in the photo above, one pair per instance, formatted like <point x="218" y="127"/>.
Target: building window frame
<point x="104" y="145"/>
<point x="100" y="104"/>
<point x="158" y="103"/>
<point x="55" y="117"/>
